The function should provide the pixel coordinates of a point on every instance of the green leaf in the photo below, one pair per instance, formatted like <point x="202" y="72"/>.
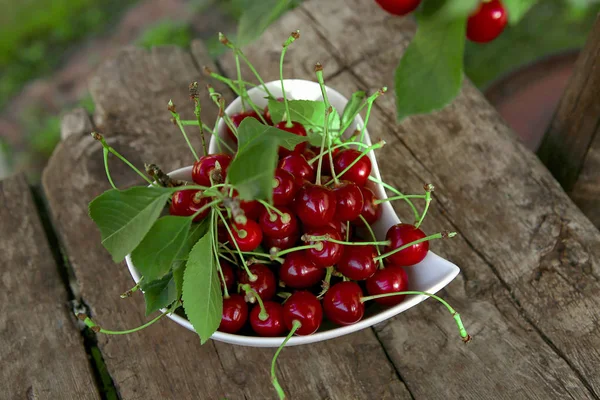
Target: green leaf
<point x="253" y="168"/>
<point x="125" y="217"/>
<point x="202" y="298"/>
<point x="159" y="293"/>
<point x="155" y="254"/>
<point x="449" y="9"/>
<point x="430" y="73"/>
<point x="516" y="9"/>
<point x="258" y="15"/>
<point x="196" y="232"/>
<point x="352" y="107"/>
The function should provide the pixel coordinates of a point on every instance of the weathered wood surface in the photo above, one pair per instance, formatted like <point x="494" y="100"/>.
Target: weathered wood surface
<point x="576" y="122"/>
<point x="165" y="360"/>
<point x="41" y="350"/>
<point x="586" y="192"/>
<point x="530" y="259"/>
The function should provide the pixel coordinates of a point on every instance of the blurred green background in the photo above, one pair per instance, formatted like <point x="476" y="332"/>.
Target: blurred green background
<point x="48" y="49"/>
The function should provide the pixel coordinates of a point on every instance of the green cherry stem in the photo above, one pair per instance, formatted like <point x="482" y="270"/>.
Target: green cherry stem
<point x="396" y="191"/>
<point x="271" y="208"/>
<point x="105" y="145"/>
<point x="280" y="392"/>
<point x="227" y="258"/>
<point x="326" y="282"/>
<point x="320" y="163"/>
<point x="461" y="328"/>
<point x="205" y="207"/>
<point x="220" y="102"/>
<point x="377" y="145"/>
<point x="293" y="36"/>
<point x="130" y="292"/>
<point x="327" y="238"/>
<point x="96" y="328"/>
<point x="381" y="266"/>
<point x="328" y="110"/>
<point x="197" y="109"/>
<point x="439" y="235"/>
<point x="240" y="82"/>
<point x="215" y="250"/>
<point x="370" y="102"/>
<point x="177" y="120"/>
<point x="263" y="315"/>
<point x="428" y="189"/>
<point x="318" y="246"/>
<point x="403" y="197"/>
<point x="251" y="276"/>
<point x="345" y="144"/>
<point x="370" y="99"/>
<point x="105" y="156"/>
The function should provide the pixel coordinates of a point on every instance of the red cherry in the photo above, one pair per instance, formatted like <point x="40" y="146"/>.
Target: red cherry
<point x="398" y="7"/>
<point x="370" y="211"/>
<point x="265" y="284"/>
<point x="228" y="274"/>
<point x="297" y="165"/>
<point x="341" y="228"/>
<point x="330" y="253"/>
<point x="326" y="167"/>
<point x="276" y="226"/>
<point x="296" y="129"/>
<point x="349" y="201"/>
<point x="389" y="280"/>
<point x="359" y="172"/>
<point x="315" y="205"/>
<point x="185" y="203"/>
<point x="283" y="243"/>
<point x="251" y="208"/>
<point x="284" y="187"/>
<point x="298" y="272"/>
<point x="237" y="119"/>
<point x="204" y="167"/>
<point x="357" y="262"/>
<point x="487" y="22"/>
<point x="309" y="154"/>
<point x="305" y="308"/>
<point x="273" y="325"/>
<point x="401" y="234"/>
<point x="342" y="304"/>
<point x="235" y="314"/>
<point x="247" y="236"/>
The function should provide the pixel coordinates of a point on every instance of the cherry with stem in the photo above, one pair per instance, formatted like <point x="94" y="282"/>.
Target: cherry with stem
<point x="366" y="224"/>
<point x="401" y="195"/>
<point x="439" y="235"/>
<point x="328" y="110"/>
<point x="428" y="189"/>
<point x="251" y="276"/>
<point x="263" y="315"/>
<point x="216" y="254"/>
<point x="177" y="121"/>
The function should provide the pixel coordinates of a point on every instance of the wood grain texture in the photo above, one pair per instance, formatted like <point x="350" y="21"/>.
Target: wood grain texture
<point x="577" y="119"/>
<point x="530" y="259"/>
<point x="41" y="350"/>
<point x="165" y="360"/>
<point x="586" y="192"/>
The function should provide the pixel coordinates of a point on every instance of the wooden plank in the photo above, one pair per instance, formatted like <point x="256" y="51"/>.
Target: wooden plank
<point x="586" y="192"/>
<point x="530" y="260"/>
<point x="41" y="348"/>
<point x="165" y="360"/>
<point x="577" y="119"/>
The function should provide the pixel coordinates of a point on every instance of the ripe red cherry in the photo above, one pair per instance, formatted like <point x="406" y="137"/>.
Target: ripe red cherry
<point x="359" y="172"/>
<point x="276" y="226"/>
<point x="370" y="211"/>
<point x="265" y="284"/>
<point x="487" y="22"/>
<point x="251" y="208"/>
<point x="399" y="7"/>
<point x="329" y="253"/>
<point x="185" y="203"/>
<point x="204" y="167"/>
<point x="357" y="262"/>
<point x="235" y="314"/>
<point x="296" y="129"/>
<point x="283" y="243"/>
<point x="298" y="272"/>
<point x="297" y="165"/>
<point x="247" y="236"/>
<point x="315" y="205"/>
<point x="273" y="325"/>
<point x="228" y="274"/>
<point x="341" y="228"/>
<point x="326" y="167"/>
<point x="349" y="201"/>
<point x="237" y="119"/>
<point x="401" y="234"/>
<point x="389" y="280"/>
<point x="284" y="187"/>
<point x="304" y="307"/>
<point x="342" y="304"/>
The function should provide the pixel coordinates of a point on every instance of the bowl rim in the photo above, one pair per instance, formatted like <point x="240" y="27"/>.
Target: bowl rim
<point x="258" y="341"/>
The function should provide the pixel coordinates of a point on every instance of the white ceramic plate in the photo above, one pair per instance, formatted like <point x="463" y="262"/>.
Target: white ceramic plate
<point x="430" y="275"/>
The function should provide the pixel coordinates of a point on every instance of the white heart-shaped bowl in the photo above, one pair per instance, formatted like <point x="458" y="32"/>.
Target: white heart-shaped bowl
<point x="430" y="275"/>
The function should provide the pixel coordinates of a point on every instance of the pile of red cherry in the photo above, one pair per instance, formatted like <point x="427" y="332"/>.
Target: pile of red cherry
<point x="485" y="24"/>
<point x="312" y="263"/>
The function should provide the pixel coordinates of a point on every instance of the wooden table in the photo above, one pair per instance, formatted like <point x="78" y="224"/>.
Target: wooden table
<point x="529" y="289"/>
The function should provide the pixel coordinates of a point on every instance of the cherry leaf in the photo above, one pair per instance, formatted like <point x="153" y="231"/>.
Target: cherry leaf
<point x="352" y="107"/>
<point x="258" y="15"/>
<point x="159" y="293"/>
<point x="125" y="217"/>
<point x="430" y="73"/>
<point x="202" y="298"/>
<point x="196" y="232"/>
<point x="516" y="9"/>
